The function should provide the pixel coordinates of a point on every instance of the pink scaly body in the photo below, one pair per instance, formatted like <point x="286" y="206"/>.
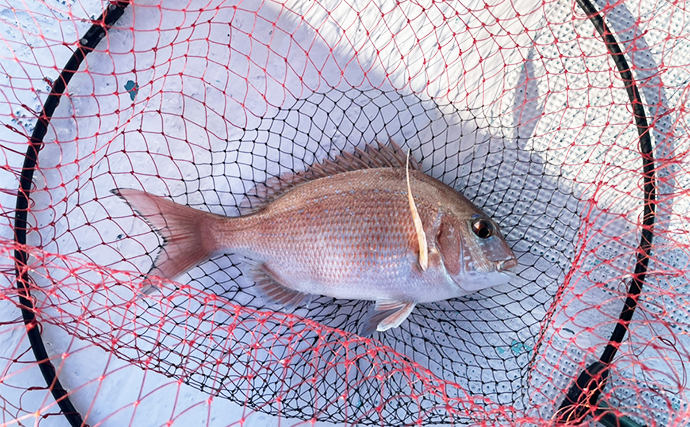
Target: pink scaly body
<point x="346" y="236"/>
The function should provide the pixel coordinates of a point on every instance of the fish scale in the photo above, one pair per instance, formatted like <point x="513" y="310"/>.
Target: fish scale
<point x="337" y="248"/>
<point x="343" y="228"/>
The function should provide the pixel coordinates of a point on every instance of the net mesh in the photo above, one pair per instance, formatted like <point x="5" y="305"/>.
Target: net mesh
<point x="516" y="104"/>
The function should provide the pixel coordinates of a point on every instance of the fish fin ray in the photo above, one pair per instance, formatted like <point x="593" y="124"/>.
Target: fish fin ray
<point x="270" y="287"/>
<point x="418" y="226"/>
<point x="188" y="237"/>
<point x="393" y="155"/>
<point x="386" y="314"/>
<point x="375" y="155"/>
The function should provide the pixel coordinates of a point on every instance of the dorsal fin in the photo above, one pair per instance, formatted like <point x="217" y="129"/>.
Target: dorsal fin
<point x="373" y="156"/>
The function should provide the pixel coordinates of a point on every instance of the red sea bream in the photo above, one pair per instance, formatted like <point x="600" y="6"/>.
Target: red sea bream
<point x="349" y="228"/>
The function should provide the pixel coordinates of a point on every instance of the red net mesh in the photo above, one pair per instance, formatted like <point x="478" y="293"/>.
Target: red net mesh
<point x="517" y="105"/>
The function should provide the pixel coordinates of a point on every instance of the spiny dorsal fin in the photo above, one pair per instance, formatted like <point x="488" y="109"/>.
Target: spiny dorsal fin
<point x="373" y="156"/>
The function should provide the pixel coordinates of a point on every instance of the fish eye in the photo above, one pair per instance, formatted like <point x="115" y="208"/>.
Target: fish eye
<point x="482" y="228"/>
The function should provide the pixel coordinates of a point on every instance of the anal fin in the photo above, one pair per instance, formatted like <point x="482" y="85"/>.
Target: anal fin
<point x="386" y="314"/>
<point x="272" y="289"/>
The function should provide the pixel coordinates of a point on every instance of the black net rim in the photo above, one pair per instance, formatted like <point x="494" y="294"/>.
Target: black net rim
<point x="85" y="45"/>
<point x="581" y="398"/>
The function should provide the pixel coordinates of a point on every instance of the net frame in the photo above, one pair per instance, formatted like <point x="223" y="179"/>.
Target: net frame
<point x="85" y="45"/>
<point x="582" y="397"/>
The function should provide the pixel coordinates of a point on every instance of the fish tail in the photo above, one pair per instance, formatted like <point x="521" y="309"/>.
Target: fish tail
<point x="190" y="235"/>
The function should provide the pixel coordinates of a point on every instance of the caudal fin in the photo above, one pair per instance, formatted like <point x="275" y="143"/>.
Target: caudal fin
<point x="189" y="235"/>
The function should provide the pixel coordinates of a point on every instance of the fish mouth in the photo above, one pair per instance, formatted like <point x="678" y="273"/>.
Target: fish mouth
<point x="507" y="264"/>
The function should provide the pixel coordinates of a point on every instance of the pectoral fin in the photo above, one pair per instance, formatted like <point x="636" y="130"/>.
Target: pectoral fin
<point x="270" y="286"/>
<point x="419" y="228"/>
<point x="386" y="314"/>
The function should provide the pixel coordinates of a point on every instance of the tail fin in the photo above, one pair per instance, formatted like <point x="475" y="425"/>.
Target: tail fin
<point x="189" y="235"/>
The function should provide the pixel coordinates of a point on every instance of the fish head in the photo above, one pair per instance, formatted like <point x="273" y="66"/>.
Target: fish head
<point x="474" y="252"/>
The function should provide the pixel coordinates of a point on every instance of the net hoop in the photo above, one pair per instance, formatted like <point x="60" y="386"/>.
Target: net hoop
<point x="581" y="399"/>
<point x="85" y="45"/>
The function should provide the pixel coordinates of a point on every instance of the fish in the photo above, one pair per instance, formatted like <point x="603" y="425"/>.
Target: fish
<point x="367" y="225"/>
